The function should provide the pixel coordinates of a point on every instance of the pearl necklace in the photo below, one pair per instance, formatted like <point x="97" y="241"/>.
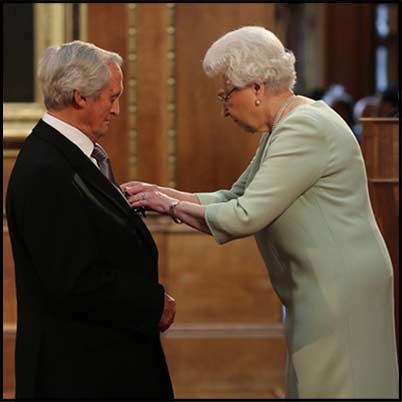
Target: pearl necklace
<point x="279" y="113"/>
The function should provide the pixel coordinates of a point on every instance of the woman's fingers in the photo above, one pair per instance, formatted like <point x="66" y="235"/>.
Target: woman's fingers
<point x="135" y="187"/>
<point x="143" y="199"/>
<point x="132" y="188"/>
<point x="135" y="200"/>
<point x="129" y="183"/>
<point x="153" y="200"/>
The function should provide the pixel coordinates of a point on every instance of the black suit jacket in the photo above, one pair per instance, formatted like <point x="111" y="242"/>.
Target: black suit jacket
<point x="88" y="296"/>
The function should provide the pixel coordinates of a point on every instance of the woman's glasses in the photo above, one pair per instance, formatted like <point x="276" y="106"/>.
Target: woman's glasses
<point x="224" y="97"/>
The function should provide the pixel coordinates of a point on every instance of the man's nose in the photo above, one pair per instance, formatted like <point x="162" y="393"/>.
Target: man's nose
<point x="115" y="108"/>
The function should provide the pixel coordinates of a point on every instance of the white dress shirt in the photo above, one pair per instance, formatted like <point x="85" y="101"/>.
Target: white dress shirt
<point x="78" y="138"/>
<point x="74" y="135"/>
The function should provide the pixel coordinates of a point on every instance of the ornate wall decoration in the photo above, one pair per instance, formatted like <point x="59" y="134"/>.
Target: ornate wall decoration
<point x="171" y="82"/>
<point x="132" y="88"/>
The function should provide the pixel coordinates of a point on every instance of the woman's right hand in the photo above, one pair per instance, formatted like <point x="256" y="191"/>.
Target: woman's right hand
<point x="131" y="188"/>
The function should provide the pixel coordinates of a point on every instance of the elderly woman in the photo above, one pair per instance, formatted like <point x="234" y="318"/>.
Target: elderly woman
<point x="304" y="197"/>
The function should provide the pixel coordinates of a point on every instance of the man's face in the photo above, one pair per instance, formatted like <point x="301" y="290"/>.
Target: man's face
<point x="100" y="111"/>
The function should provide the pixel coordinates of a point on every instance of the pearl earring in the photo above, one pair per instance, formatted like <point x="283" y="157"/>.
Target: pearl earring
<point x="257" y="102"/>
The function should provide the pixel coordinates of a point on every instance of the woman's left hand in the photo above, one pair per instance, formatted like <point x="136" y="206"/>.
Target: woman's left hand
<point x="153" y="200"/>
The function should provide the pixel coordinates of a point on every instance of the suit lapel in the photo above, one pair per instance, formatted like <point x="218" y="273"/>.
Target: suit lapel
<point x="93" y="177"/>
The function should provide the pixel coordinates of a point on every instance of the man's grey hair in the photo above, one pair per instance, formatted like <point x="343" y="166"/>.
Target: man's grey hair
<point x="251" y="54"/>
<point x="73" y="66"/>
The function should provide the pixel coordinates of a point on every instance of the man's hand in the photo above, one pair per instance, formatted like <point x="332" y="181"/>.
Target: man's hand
<point x="169" y="311"/>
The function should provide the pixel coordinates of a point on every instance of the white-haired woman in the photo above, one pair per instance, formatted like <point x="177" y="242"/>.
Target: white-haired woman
<point x="304" y="197"/>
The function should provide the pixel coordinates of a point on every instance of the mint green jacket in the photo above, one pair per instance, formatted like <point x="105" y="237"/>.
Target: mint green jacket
<point x="305" y="198"/>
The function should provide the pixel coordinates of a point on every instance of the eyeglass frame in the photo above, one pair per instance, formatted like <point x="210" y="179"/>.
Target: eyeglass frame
<point x="224" y="98"/>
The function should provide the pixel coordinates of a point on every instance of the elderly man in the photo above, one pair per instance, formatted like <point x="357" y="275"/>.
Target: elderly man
<point x="90" y="307"/>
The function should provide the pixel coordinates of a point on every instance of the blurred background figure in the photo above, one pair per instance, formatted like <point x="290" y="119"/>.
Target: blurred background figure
<point x="384" y="104"/>
<point x="316" y="93"/>
<point x="337" y="98"/>
<point x="388" y="105"/>
<point x="364" y="107"/>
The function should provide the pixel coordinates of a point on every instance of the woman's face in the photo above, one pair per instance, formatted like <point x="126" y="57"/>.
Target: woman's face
<point x="239" y="104"/>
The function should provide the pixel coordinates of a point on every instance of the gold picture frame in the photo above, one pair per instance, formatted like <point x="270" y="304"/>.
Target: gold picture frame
<point x="53" y="24"/>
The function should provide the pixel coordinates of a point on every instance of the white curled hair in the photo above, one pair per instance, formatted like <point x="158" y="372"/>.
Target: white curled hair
<point x="73" y="66"/>
<point x="251" y="54"/>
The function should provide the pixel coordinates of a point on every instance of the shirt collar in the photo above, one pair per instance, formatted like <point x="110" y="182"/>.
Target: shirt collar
<point x="71" y="133"/>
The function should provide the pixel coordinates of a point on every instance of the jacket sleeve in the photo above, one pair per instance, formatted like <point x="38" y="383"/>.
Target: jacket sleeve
<point x="294" y="161"/>
<point x="76" y="281"/>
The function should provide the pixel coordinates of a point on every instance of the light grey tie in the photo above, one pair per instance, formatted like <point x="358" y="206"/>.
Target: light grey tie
<point x="100" y="155"/>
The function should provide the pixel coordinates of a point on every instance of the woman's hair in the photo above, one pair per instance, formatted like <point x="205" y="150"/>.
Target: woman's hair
<point x="73" y="66"/>
<point x="251" y="54"/>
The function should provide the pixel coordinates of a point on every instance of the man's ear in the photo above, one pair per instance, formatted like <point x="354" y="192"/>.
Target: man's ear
<point x="79" y="100"/>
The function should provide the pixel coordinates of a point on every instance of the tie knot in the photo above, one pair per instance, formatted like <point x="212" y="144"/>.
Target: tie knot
<point x="99" y="153"/>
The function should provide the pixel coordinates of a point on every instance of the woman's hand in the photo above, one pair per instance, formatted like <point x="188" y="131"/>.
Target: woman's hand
<point x="135" y="187"/>
<point x="153" y="200"/>
<point x="145" y="196"/>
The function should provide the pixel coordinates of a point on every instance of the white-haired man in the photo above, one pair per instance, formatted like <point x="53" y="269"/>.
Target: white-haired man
<point x="90" y="307"/>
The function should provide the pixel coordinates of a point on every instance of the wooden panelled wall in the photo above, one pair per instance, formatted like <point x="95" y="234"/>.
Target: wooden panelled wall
<point x="175" y="120"/>
<point x="381" y="152"/>
<point x="227" y="341"/>
<point x="349" y="47"/>
<point x="9" y="304"/>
